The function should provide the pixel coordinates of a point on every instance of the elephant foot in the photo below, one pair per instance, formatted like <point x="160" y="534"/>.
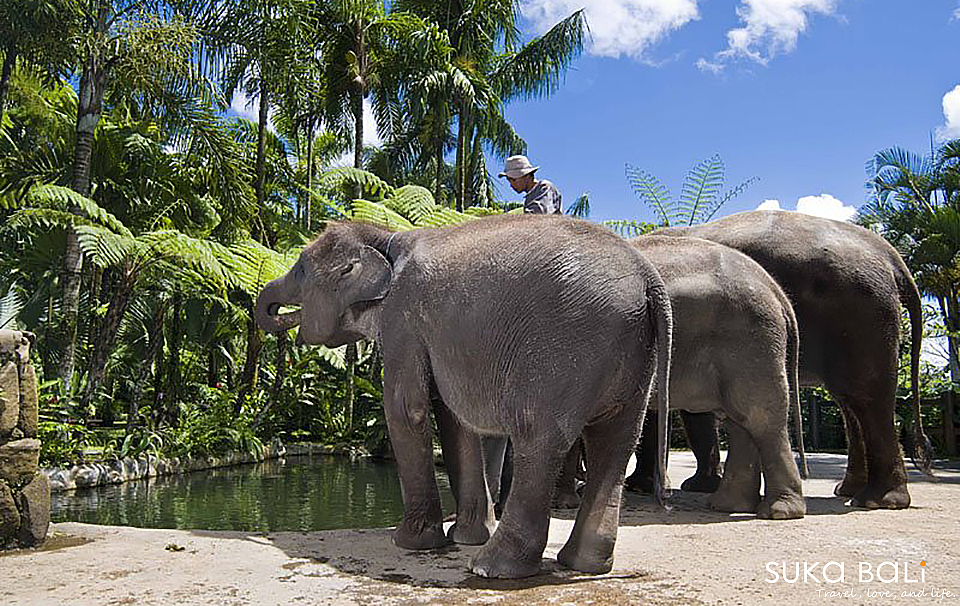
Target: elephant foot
<point x="566" y="500"/>
<point x="788" y="506"/>
<point x="849" y="486"/>
<point x="894" y="498"/>
<point x="591" y="563"/>
<point x="730" y="501"/>
<point x="639" y="483"/>
<point x="427" y="537"/>
<point x="701" y="483"/>
<point x="493" y="562"/>
<point x="476" y="533"/>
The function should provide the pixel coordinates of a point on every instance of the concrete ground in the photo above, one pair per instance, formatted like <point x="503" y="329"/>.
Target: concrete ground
<point x="688" y="555"/>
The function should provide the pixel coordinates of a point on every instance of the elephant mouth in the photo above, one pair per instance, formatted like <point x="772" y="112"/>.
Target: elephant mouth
<point x="282" y="320"/>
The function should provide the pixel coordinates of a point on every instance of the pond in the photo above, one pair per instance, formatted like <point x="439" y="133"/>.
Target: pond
<point x="318" y="492"/>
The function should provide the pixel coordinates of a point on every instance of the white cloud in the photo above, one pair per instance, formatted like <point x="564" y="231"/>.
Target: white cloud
<point x="956" y="13"/>
<point x="249" y="108"/>
<point x="617" y="27"/>
<point x="770" y="27"/>
<point x="951" y="114"/>
<point x="823" y="205"/>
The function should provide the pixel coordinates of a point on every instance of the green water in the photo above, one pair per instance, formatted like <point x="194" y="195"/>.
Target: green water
<point x="298" y="493"/>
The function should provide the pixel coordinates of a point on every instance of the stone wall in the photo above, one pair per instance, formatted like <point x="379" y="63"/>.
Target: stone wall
<point x="24" y="491"/>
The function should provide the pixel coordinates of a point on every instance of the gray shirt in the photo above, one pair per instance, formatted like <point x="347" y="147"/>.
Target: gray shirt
<point x="543" y="199"/>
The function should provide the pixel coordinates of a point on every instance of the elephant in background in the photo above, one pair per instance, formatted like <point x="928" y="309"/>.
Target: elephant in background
<point x="736" y="349"/>
<point x="540" y="328"/>
<point x="846" y="284"/>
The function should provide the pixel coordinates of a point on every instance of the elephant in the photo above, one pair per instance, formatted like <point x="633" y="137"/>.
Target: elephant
<point x="736" y="348"/>
<point x="847" y="285"/>
<point x="539" y="328"/>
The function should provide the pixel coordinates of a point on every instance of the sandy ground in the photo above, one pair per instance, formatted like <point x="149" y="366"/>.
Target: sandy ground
<point x="689" y="555"/>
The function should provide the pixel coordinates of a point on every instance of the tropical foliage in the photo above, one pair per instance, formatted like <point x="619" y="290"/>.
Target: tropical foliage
<point x="139" y="218"/>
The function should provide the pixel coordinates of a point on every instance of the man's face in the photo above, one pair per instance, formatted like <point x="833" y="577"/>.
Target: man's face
<point x="521" y="184"/>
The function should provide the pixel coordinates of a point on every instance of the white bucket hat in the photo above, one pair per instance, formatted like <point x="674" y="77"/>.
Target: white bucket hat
<point x="517" y="166"/>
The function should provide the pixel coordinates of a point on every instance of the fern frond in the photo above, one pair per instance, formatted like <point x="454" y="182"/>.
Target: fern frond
<point x="339" y="178"/>
<point x="700" y="189"/>
<point x="58" y="197"/>
<point x="629" y="229"/>
<point x="375" y="212"/>
<point x="733" y="193"/>
<point x="652" y="192"/>
<point x="412" y="201"/>
<point x="443" y="217"/>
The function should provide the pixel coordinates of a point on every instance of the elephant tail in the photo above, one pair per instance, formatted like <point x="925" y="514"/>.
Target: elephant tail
<point x="663" y="321"/>
<point x="922" y="452"/>
<point x="793" y="381"/>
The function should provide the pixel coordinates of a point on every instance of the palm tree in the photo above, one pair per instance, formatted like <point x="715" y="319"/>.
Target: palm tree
<point x="33" y="32"/>
<point x="488" y="69"/>
<point x="118" y="40"/>
<point x="915" y="200"/>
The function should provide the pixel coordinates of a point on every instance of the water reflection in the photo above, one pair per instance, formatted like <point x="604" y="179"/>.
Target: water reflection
<point x="299" y="493"/>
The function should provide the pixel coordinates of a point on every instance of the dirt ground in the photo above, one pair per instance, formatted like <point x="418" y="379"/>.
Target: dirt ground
<point x="688" y="555"/>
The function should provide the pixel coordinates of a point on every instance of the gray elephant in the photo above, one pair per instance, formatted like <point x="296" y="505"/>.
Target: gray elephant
<point x="847" y="285"/>
<point x="539" y="328"/>
<point x="736" y="348"/>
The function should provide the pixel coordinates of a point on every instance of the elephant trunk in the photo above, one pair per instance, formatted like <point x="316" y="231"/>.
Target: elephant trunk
<point x="277" y="293"/>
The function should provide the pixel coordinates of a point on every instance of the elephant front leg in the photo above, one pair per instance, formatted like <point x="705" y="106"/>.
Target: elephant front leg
<point x="407" y="407"/>
<point x="464" y="461"/>
<point x="516" y="548"/>
<point x="701" y="430"/>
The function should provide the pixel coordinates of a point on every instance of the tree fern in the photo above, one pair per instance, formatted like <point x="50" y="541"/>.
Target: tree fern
<point x="701" y="193"/>
<point x="627" y="228"/>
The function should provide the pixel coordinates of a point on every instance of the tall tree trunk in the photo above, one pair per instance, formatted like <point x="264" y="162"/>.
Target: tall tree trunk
<point x="309" y="174"/>
<point x="261" y="166"/>
<point x="174" y="370"/>
<point x="464" y="140"/>
<point x="948" y="308"/>
<point x="283" y="344"/>
<point x="154" y="352"/>
<point x="9" y="60"/>
<point x="103" y="345"/>
<point x="351" y="394"/>
<point x="93" y="81"/>
<point x="438" y="188"/>
<point x="250" y="375"/>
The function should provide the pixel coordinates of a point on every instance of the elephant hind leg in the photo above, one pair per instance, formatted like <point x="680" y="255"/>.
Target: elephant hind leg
<point x="516" y="548"/>
<point x="739" y="489"/>
<point x="643" y="479"/>
<point x="886" y="486"/>
<point x="609" y="444"/>
<point x="855" y="476"/>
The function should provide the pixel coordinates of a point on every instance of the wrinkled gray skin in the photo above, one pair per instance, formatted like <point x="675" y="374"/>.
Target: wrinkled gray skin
<point x="847" y="285"/>
<point x="539" y="328"/>
<point x="735" y="350"/>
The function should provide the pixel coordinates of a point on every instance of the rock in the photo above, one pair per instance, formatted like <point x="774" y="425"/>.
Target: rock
<point x="87" y="476"/>
<point x="9" y="397"/>
<point x="19" y="460"/>
<point x="29" y="404"/>
<point x="35" y="510"/>
<point x="9" y="515"/>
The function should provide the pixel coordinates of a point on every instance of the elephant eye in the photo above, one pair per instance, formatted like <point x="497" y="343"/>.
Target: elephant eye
<point x="346" y="269"/>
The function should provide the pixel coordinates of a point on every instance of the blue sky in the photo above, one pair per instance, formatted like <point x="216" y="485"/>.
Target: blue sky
<point x="799" y="93"/>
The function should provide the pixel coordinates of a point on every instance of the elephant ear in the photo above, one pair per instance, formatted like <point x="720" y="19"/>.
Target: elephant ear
<point x="369" y="280"/>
